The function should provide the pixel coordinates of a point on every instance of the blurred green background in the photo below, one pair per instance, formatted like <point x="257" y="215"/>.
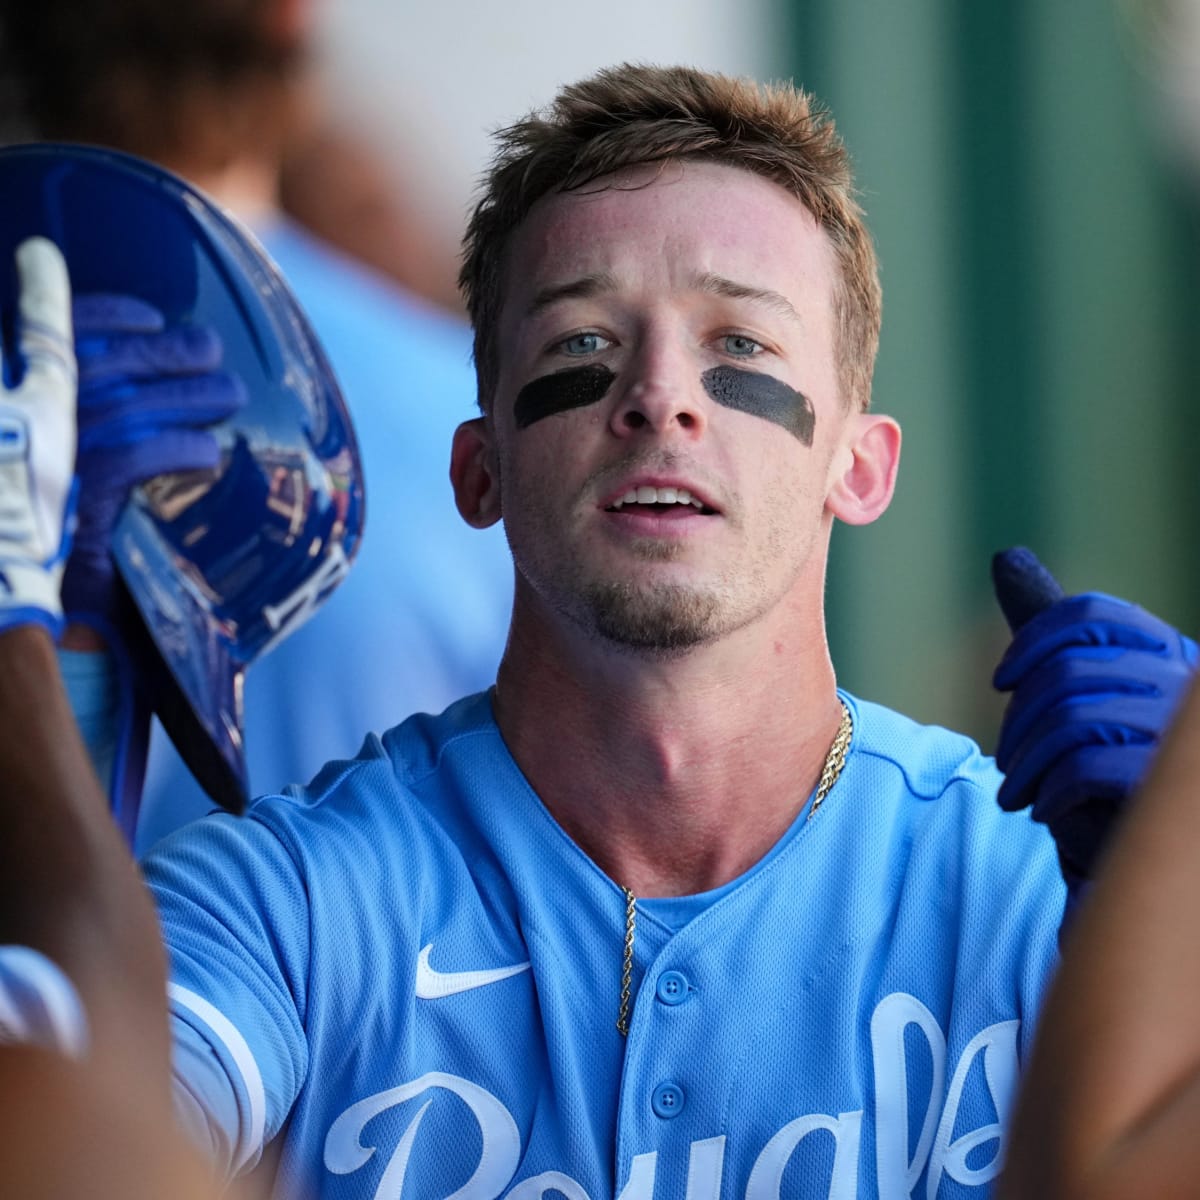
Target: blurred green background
<point x="1040" y="254"/>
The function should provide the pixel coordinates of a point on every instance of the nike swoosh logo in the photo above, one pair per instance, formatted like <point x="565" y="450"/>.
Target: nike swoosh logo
<point x="433" y="985"/>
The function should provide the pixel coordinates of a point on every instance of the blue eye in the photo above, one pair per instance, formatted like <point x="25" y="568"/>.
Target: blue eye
<point x="583" y="343"/>
<point x="741" y="346"/>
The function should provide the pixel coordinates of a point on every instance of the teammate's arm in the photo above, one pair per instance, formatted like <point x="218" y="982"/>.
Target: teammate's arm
<point x="72" y="1129"/>
<point x="84" y="1055"/>
<point x="88" y="1113"/>
<point x="1110" y="1108"/>
<point x="68" y="886"/>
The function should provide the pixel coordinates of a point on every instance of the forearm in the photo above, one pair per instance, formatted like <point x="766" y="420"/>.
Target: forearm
<point x="1111" y="1100"/>
<point x="68" y="885"/>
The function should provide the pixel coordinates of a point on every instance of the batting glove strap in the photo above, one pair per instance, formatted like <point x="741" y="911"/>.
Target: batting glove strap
<point x="35" y="601"/>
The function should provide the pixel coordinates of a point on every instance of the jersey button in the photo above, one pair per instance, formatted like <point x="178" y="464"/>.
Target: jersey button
<point x="672" y="988"/>
<point x="667" y="1100"/>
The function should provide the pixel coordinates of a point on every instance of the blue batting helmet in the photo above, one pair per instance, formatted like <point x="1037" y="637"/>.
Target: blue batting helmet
<point x="223" y="563"/>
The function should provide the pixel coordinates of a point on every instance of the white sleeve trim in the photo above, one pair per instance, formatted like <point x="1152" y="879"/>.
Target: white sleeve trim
<point x="250" y="1144"/>
<point x="39" y="1004"/>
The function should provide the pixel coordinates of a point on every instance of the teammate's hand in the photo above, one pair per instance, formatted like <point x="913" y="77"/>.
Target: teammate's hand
<point x="146" y="395"/>
<point x="1094" y="682"/>
<point x="37" y="443"/>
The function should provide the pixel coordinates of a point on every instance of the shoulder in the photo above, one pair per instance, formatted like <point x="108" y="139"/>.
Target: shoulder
<point x="930" y="794"/>
<point x="936" y="790"/>
<point x="361" y="843"/>
<point x="927" y="760"/>
<point x="404" y="764"/>
<point x="927" y="805"/>
<point x="464" y="734"/>
<point x="355" y="805"/>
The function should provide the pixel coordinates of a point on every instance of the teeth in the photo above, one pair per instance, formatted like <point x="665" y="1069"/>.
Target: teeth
<point x="653" y="495"/>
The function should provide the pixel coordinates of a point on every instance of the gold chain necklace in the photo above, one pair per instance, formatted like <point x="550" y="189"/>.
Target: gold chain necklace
<point x="835" y="760"/>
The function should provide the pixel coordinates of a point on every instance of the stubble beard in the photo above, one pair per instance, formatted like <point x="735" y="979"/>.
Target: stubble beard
<point x="658" y="619"/>
<point x="663" y="620"/>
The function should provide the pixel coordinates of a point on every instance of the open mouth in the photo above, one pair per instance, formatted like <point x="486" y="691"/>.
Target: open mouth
<point x="660" y="500"/>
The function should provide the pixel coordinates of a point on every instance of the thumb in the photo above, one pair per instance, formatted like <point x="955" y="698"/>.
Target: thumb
<point x="1023" y="586"/>
<point x="45" y="315"/>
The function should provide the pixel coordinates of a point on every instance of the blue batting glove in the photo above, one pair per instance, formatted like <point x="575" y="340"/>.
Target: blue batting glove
<point x="147" y="394"/>
<point x="1095" y="682"/>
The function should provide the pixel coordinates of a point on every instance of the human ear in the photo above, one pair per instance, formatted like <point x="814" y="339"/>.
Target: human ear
<point x="474" y="474"/>
<point x="865" y="470"/>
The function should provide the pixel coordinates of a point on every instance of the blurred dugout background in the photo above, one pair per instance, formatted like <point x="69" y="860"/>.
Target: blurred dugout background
<point x="1039" y="232"/>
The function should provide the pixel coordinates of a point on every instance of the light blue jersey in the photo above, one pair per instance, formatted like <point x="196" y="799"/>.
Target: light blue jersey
<point x="412" y="971"/>
<point x="423" y="616"/>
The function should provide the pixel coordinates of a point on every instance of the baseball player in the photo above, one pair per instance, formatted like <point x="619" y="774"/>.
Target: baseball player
<point x="665" y="912"/>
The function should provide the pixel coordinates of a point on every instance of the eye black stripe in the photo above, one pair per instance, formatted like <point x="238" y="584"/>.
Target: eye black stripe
<point x="762" y="396"/>
<point x="750" y="392"/>
<point x="576" y="387"/>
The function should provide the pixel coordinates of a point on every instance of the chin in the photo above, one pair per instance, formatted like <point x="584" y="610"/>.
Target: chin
<point x="662" y="620"/>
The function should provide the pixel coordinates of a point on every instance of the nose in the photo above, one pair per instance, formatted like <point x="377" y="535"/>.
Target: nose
<point x="661" y="393"/>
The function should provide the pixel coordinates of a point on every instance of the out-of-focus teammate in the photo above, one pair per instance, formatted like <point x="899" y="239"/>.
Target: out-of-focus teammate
<point x="212" y="90"/>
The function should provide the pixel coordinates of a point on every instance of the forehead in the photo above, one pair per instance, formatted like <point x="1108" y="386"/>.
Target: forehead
<point x="655" y="230"/>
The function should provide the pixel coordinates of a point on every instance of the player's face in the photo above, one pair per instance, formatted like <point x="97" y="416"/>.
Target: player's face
<point x="668" y="412"/>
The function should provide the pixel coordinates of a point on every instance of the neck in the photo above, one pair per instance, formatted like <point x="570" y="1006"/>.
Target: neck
<point x="248" y="187"/>
<point x="675" y="775"/>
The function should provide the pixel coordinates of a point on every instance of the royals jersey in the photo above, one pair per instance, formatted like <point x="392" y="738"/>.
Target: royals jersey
<point x="411" y="974"/>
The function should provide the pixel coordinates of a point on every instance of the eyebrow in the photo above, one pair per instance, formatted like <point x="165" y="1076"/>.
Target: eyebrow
<point x="599" y="282"/>
<point x="582" y="288"/>
<point x="719" y="285"/>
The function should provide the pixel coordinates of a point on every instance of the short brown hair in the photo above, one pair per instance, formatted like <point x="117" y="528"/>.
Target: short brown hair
<point x="635" y="114"/>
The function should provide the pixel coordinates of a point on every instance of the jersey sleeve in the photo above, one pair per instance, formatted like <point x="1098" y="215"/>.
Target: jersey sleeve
<point x="234" y="913"/>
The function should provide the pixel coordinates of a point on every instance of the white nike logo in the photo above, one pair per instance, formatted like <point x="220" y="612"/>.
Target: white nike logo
<point x="433" y="985"/>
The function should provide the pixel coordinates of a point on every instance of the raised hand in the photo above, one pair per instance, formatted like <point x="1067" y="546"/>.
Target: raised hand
<point x="1095" y="682"/>
<point x="37" y="442"/>
<point x="147" y="394"/>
